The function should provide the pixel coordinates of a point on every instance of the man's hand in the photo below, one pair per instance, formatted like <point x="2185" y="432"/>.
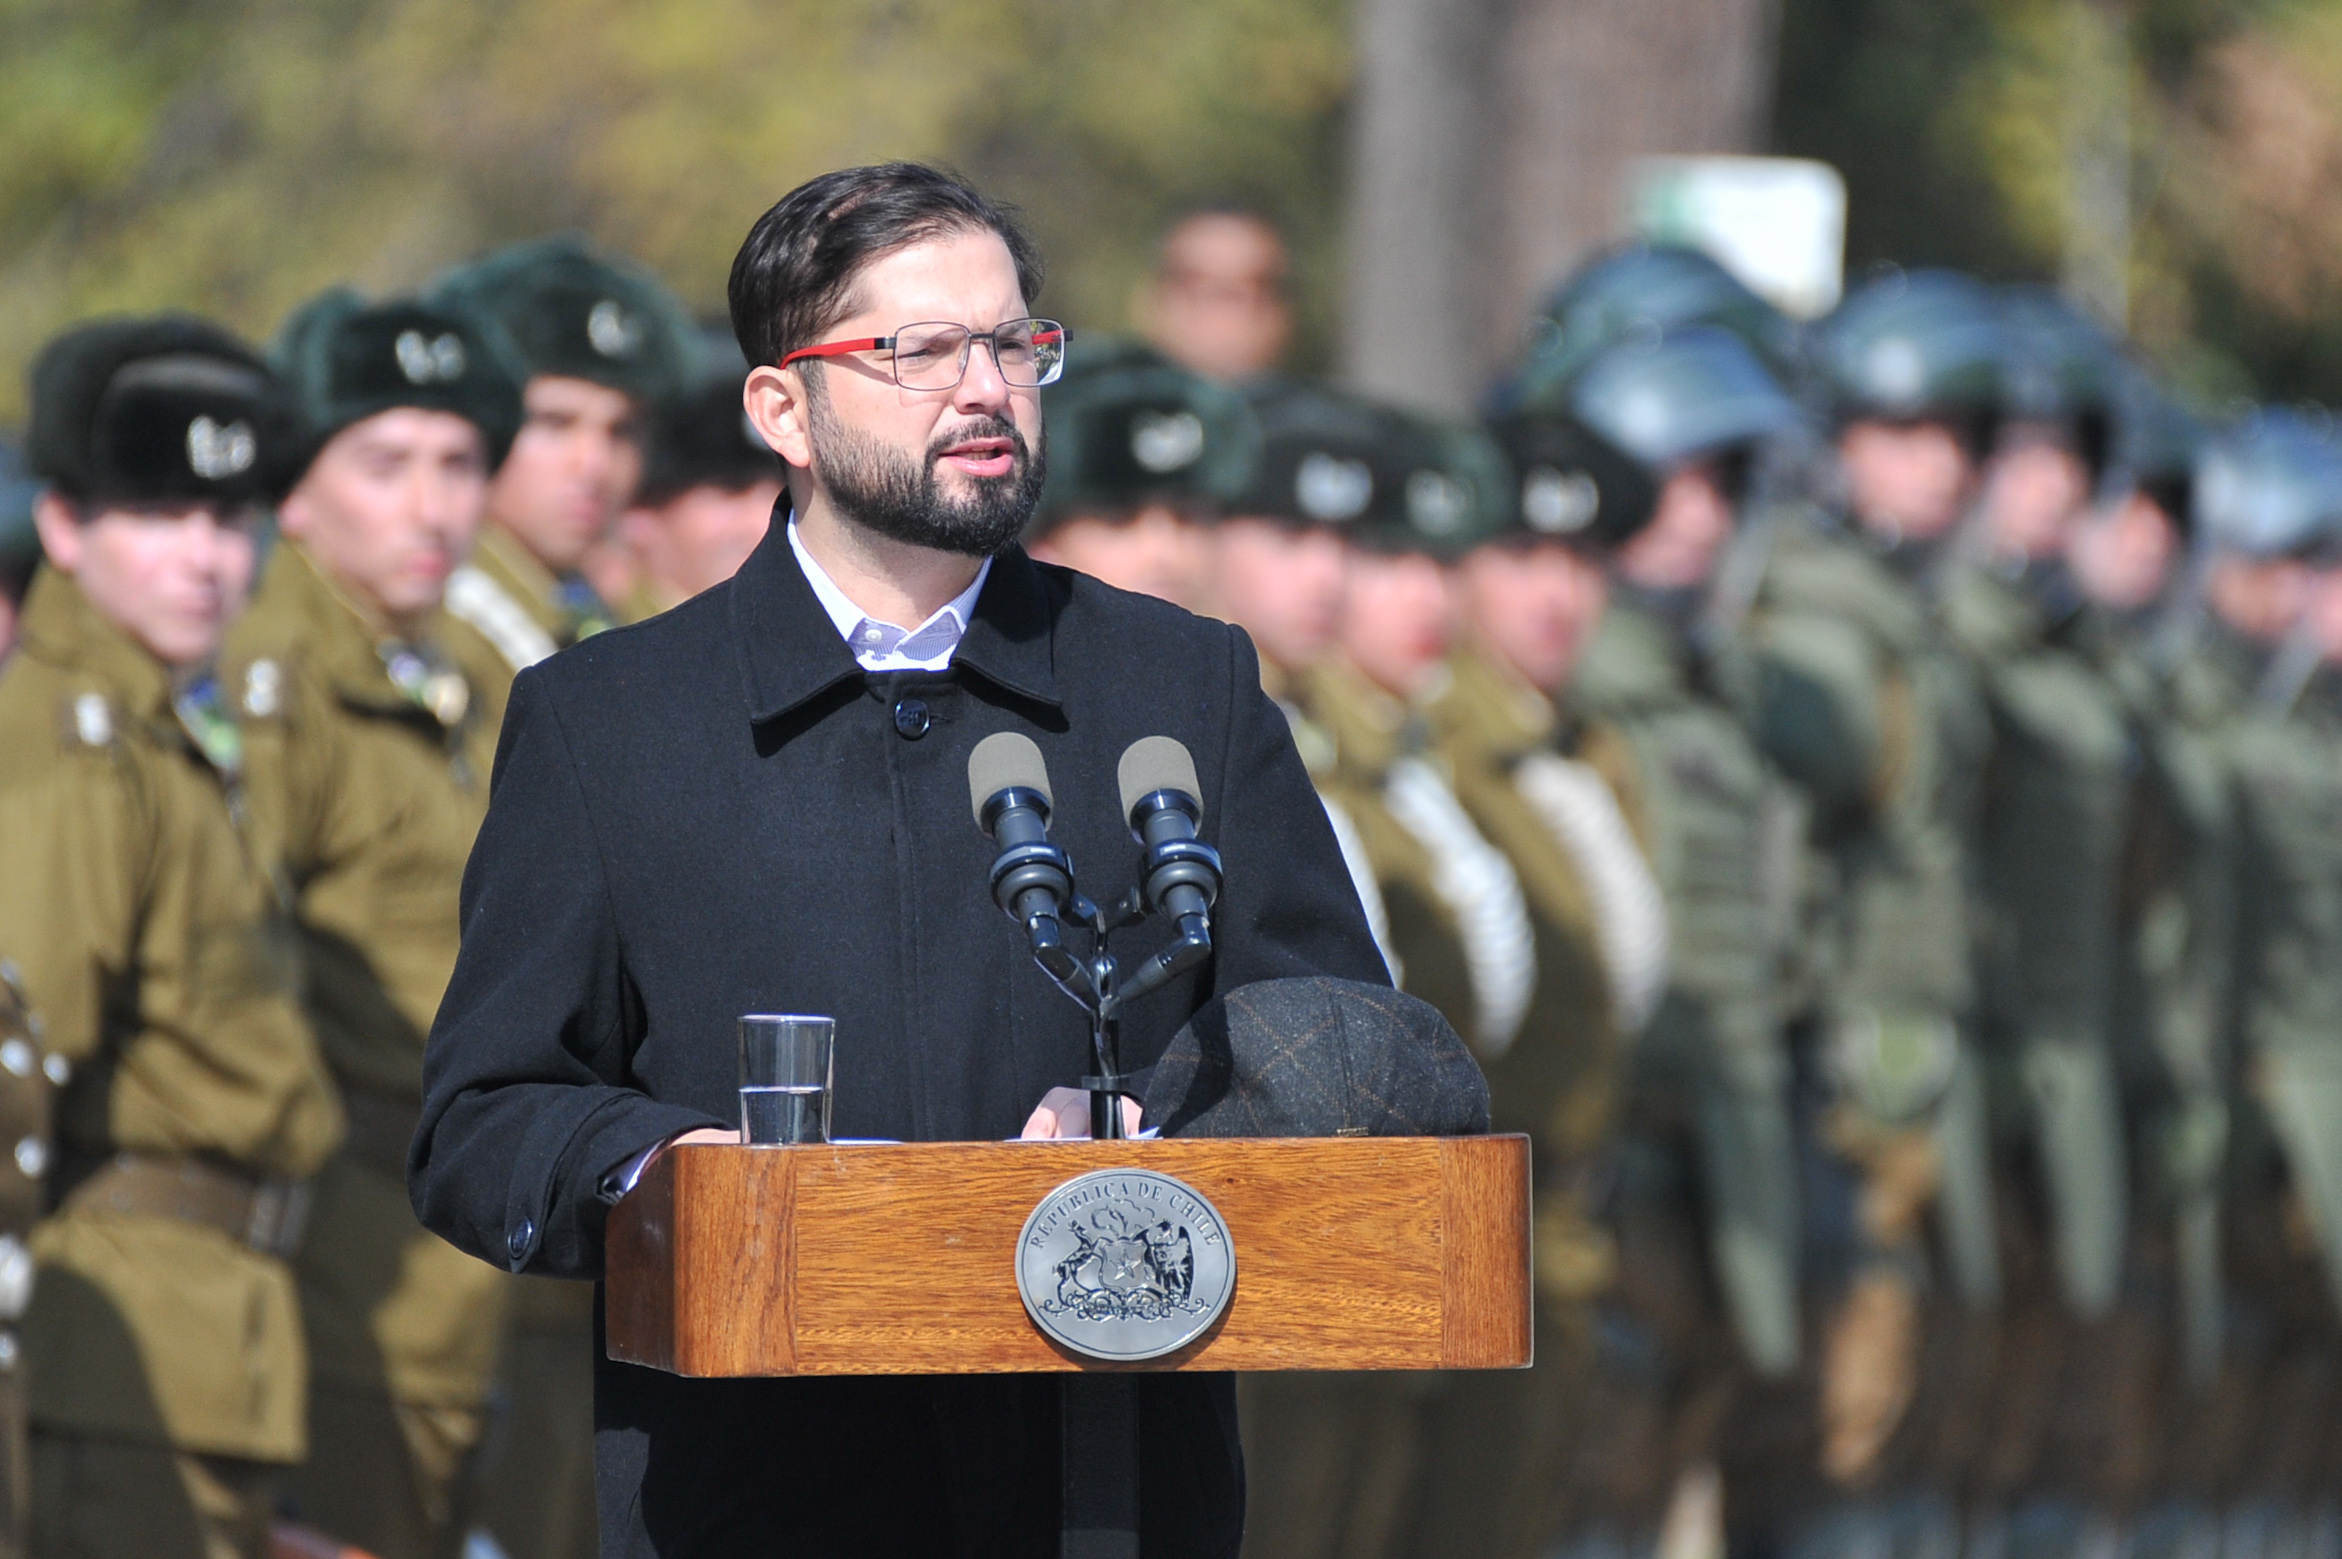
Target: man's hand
<point x="723" y="1134"/>
<point x="1065" y="1112"/>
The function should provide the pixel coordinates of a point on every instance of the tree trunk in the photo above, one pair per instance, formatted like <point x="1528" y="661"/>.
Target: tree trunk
<point x="1489" y="144"/>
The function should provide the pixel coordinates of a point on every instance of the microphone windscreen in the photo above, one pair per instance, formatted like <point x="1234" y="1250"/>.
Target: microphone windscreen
<point x="1003" y="759"/>
<point x="1155" y="763"/>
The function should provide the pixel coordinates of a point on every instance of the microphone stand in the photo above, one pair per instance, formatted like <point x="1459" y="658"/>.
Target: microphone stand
<point x="1096" y="986"/>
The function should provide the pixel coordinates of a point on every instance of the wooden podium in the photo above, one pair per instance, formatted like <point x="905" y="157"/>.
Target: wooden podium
<point x="1359" y="1253"/>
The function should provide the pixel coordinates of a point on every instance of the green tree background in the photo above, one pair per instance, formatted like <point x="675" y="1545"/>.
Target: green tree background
<point x="233" y="156"/>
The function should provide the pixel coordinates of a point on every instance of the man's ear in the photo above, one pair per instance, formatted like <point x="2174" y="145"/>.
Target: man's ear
<point x="775" y="402"/>
<point x="60" y="531"/>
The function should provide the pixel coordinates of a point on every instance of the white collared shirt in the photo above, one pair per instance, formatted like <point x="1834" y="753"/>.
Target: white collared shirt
<point x="884" y="646"/>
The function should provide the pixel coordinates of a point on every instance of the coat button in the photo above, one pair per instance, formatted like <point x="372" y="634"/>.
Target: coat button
<point x="911" y="718"/>
<point x="524" y="1233"/>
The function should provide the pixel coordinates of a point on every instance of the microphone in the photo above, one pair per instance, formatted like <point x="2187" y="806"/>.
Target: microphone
<point x="1008" y="789"/>
<point x="1181" y="874"/>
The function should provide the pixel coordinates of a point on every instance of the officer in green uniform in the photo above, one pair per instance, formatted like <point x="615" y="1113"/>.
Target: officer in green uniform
<point x="1340" y="1464"/>
<point x="1516" y="1461"/>
<point x="164" y="1345"/>
<point x="1142" y="453"/>
<point x="2169" y="1001"/>
<point x="1849" y="681"/>
<point x="602" y="343"/>
<point x="709" y="485"/>
<point x="2260" y="686"/>
<point x="2053" y="818"/>
<point x="1695" y="408"/>
<point x="369" y="757"/>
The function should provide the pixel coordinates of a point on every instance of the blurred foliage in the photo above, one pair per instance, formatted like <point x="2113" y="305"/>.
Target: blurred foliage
<point x="234" y="156"/>
<point x="1955" y="122"/>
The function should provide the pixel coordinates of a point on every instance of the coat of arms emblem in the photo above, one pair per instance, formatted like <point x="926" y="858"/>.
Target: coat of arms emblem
<point x="1125" y="1264"/>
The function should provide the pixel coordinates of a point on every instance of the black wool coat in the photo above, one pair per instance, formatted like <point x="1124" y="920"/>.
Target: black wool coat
<point x="719" y="812"/>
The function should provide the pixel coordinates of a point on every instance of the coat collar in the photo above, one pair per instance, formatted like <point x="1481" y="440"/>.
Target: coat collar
<point x="61" y="627"/>
<point x="791" y="651"/>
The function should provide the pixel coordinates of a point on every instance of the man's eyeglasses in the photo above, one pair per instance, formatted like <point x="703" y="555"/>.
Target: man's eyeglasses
<point x="934" y="356"/>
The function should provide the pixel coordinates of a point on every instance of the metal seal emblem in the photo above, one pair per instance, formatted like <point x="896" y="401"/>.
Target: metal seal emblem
<point x="1125" y="1264"/>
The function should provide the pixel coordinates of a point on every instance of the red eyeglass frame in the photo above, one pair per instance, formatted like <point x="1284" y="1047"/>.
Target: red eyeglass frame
<point x="886" y="344"/>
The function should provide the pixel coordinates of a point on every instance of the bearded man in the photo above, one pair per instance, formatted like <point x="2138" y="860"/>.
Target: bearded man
<point x="757" y="802"/>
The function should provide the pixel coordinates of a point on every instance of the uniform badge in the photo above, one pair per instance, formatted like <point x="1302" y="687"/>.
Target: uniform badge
<point x="429" y="360"/>
<point x="611" y="331"/>
<point x="1559" y="503"/>
<point x="1437" y="504"/>
<point x="1125" y="1264"/>
<point x="216" y="451"/>
<point x="1330" y="489"/>
<point x="1166" y="441"/>
<point x="264" y="689"/>
<point x="93" y="720"/>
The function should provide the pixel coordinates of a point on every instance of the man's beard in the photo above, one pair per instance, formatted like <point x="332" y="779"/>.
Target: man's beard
<point x="877" y="486"/>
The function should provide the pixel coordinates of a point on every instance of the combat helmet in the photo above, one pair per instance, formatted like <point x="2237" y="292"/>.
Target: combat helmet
<point x="1639" y="293"/>
<point x="2271" y="486"/>
<point x="1696" y="393"/>
<point x="2060" y="368"/>
<point x="1913" y="344"/>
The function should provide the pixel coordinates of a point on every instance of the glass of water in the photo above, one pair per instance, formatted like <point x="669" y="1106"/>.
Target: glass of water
<point x="785" y="1078"/>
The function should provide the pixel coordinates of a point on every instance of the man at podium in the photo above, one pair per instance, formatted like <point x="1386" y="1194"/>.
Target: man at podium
<point x="759" y="802"/>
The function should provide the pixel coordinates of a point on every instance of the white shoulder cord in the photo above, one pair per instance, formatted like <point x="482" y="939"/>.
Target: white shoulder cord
<point x="1478" y="885"/>
<point x="1630" y="915"/>
<point x="502" y="621"/>
<point x="1378" y="919"/>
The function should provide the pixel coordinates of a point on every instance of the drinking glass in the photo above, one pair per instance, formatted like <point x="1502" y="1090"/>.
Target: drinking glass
<point x="785" y="1078"/>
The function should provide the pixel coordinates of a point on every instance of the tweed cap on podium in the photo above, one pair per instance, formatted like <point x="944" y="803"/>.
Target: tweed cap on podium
<point x="1317" y="1057"/>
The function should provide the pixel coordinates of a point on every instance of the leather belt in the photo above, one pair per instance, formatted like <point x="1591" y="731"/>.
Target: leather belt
<point x="269" y="1215"/>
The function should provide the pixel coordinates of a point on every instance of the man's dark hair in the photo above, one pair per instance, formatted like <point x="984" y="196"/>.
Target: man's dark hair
<point x="794" y="276"/>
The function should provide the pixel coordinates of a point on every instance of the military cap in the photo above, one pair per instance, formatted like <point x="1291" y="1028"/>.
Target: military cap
<point x="1912" y="344"/>
<point x="1458" y="491"/>
<point x="164" y="409"/>
<point x="1570" y="483"/>
<point x="1129" y="427"/>
<point x="344" y="360"/>
<point x="1639" y="293"/>
<point x="1694" y="393"/>
<point x="571" y="311"/>
<point x="701" y="436"/>
<point x="1327" y="458"/>
<point x="1317" y="1057"/>
<point x="2271" y="487"/>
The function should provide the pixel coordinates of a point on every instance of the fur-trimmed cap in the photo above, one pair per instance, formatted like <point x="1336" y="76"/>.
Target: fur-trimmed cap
<point x="702" y="437"/>
<point x="166" y="409"/>
<point x="1128" y="427"/>
<point x="571" y="311"/>
<point x="344" y="360"/>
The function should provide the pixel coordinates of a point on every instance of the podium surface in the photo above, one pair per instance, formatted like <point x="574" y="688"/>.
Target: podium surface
<point x="1351" y="1253"/>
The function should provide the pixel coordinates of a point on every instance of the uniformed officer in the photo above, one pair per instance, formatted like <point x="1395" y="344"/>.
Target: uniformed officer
<point x="1695" y="409"/>
<point x="1279" y="568"/>
<point x="2260" y="687"/>
<point x="602" y="342"/>
<point x="2053" y="819"/>
<point x="1141" y="454"/>
<point x="1516" y="1461"/>
<point x="708" y="487"/>
<point x="369" y="753"/>
<point x="1861" y="695"/>
<point x="167" y="1366"/>
<point x="1341" y="1464"/>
